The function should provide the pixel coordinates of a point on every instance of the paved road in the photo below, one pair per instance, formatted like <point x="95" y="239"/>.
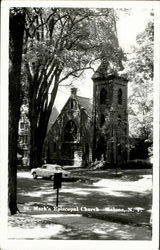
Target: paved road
<point x="104" y="209"/>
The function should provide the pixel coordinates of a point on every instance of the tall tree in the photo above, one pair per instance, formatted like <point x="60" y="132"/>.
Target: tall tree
<point x="62" y="43"/>
<point x="140" y="71"/>
<point x="16" y="28"/>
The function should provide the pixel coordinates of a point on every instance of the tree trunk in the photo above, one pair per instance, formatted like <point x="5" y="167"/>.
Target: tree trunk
<point x="39" y="127"/>
<point x="40" y="143"/>
<point x="33" y="142"/>
<point x="42" y="128"/>
<point x="16" y="42"/>
<point x="37" y="139"/>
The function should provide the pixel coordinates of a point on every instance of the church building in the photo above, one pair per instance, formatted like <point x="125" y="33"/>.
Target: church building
<point x="89" y="130"/>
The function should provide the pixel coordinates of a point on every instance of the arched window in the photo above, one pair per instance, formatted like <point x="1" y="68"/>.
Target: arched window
<point x="101" y="148"/>
<point x="103" y="96"/>
<point x="102" y="120"/>
<point x="73" y="104"/>
<point x="70" y="131"/>
<point x="120" y="96"/>
<point x="67" y="153"/>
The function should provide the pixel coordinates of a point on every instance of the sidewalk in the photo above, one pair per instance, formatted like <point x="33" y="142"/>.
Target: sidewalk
<point x="73" y="226"/>
<point x="122" y="204"/>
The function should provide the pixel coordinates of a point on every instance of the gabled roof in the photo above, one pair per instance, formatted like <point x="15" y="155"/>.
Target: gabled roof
<point x="85" y="103"/>
<point x="53" y="117"/>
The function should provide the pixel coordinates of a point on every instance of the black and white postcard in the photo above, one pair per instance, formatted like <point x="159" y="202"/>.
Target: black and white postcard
<point x="80" y="125"/>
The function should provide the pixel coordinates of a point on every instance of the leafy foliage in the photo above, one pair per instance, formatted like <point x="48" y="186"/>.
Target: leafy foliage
<point x="60" y="43"/>
<point x="140" y="70"/>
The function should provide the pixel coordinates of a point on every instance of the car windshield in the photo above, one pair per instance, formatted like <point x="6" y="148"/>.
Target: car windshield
<point x="54" y="168"/>
<point x="58" y="168"/>
<point x="44" y="166"/>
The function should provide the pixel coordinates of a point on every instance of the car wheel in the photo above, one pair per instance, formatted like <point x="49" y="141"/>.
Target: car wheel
<point x="34" y="176"/>
<point x="52" y="177"/>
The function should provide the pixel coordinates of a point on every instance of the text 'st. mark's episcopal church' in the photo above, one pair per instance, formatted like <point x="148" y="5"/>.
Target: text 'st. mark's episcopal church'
<point x="86" y="132"/>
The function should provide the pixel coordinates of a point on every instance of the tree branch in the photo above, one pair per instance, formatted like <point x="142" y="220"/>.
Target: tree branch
<point x="72" y="73"/>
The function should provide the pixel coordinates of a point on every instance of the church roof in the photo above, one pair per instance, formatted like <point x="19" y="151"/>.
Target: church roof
<point x="85" y="103"/>
<point x="105" y="72"/>
<point x="53" y="117"/>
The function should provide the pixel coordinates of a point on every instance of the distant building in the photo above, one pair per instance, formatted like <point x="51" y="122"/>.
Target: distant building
<point x="84" y="132"/>
<point x="69" y="139"/>
<point x="24" y="139"/>
<point x="24" y="135"/>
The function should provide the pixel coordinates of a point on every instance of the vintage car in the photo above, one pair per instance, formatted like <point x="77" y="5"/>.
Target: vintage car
<point x="48" y="171"/>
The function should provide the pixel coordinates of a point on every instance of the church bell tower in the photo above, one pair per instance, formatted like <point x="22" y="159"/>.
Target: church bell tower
<point x="110" y="117"/>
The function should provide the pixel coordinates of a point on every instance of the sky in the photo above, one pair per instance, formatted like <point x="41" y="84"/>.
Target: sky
<point x="128" y="26"/>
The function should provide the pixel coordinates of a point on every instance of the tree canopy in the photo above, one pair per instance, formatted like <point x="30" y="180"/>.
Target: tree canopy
<point x="60" y="43"/>
<point x="139" y="68"/>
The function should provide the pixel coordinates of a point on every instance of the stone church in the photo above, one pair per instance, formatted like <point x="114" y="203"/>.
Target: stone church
<point x="89" y="130"/>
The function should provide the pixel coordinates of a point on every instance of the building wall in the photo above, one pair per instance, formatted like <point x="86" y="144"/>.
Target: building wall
<point x="24" y="139"/>
<point x="86" y="137"/>
<point x="101" y="134"/>
<point x="59" y="146"/>
<point x="110" y="120"/>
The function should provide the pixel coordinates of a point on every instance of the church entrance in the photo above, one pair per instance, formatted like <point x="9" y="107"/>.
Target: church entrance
<point x="101" y="149"/>
<point x="69" y="146"/>
<point x="85" y="156"/>
<point x="70" y="131"/>
<point x="67" y="153"/>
